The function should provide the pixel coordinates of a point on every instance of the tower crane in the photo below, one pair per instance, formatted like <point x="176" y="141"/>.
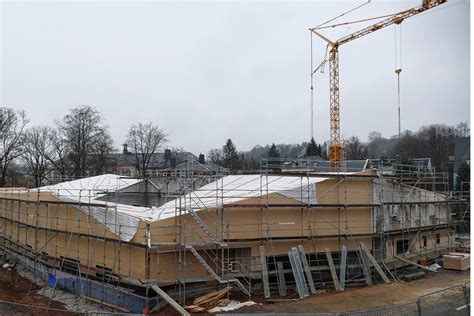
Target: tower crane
<point x="336" y="148"/>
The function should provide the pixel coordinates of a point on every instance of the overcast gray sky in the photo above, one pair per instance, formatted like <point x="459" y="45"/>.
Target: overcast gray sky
<point x="207" y="71"/>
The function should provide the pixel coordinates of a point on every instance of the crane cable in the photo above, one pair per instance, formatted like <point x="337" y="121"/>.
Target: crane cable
<point x="341" y="15"/>
<point x="312" y="92"/>
<point x="398" y="70"/>
<point x="320" y="67"/>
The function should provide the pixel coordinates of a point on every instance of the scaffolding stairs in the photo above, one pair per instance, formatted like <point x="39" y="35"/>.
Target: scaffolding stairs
<point x="213" y="273"/>
<point x="205" y="228"/>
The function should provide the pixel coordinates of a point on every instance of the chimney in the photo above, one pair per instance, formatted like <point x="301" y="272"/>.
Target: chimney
<point x="167" y="157"/>
<point x="167" y="154"/>
<point x="125" y="149"/>
<point x="201" y="159"/>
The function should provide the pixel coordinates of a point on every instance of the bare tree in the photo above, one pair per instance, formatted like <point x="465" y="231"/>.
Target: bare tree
<point x="376" y="146"/>
<point x="180" y="154"/>
<point x="407" y="147"/>
<point x="216" y="156"/>
<point x="462" y="130"/>
<point x="438" y="143"/>
<point x="12" y="126"/>
<point x="354" y="149"/>
<point x="100" y="159"/>
<point x="58" y="156"/>
<point x="37" y="150"/>
<point x="144" y="140"/>
<point x="83" y="130"/>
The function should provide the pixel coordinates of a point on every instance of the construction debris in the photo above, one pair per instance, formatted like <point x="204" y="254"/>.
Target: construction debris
<point x="211" y="297"/>
<point x="435" y="266"/>
<point x="195" y="308"/>
<point x="233" y="305"/>
<point x="218" y="303"/>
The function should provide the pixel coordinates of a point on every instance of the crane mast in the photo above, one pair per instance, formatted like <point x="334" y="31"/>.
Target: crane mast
<point x="336" y="148"/>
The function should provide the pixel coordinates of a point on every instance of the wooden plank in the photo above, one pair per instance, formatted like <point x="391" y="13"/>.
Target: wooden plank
<point x="94" y="300"/>
<point x="333" y="270"/>
<point x="342" y="268"/>
<point x="374" y="263"/>
<point x="170" y="301"/>
<point x="263" y="264"/>
<point x="415" y="264"/>
<point x="307" y="271"/>
<point x="388" y="270"/>
<point x="281" y="277"/>
<point x="211" y="296"/>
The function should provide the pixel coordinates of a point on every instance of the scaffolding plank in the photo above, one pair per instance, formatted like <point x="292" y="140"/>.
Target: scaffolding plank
<point x="374" y="263"/>
<point x="263" y="264"/>
<point x="281" y="277"/>
<point x="170" y="301"/>
<point x="298" y="272"/>
<point x="307" y="271"/>
<point x="365" y="267"/>
<point x="333" y="269"/>
<point x="415" y="264"/>
<point x="343" y="267"/>
<point x="388" y="270"/>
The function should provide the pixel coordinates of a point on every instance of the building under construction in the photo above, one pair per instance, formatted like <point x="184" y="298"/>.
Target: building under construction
<point x="291" y="227"/>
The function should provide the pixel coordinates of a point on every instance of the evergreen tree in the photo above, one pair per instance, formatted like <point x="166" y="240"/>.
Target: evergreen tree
<point x="463" y="177"/>
<point x="231" y="158"/>
<point x="312" y="149"/>
<point x="273" y="152"/>
<point x="273" y="156"/>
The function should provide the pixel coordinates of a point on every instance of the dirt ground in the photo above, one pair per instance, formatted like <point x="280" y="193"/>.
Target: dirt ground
<point x="14" y="288"/>
<point x="368" y="297"/>
<point x="357" y="298"/>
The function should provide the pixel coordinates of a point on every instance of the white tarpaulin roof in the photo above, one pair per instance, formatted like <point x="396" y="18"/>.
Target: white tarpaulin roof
<point x="90" y="188"/>
<point x="120" y="219"/>
<point x="229" y="189"/>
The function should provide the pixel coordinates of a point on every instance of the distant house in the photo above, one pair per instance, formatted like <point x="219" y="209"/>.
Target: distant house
<point x="167" y="164"/>
<point x="127" y="162"/>
<point x="386" y="166"/>
<point x="192" y="166"/>
<point x="162" y="165"/>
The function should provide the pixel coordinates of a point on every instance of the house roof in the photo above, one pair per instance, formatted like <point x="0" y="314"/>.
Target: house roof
<point x="419" y="162"/>
<point x="196" y="166"/>
<point x="157" y="160"/>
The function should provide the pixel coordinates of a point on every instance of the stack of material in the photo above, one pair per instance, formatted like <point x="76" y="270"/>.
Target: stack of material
<point x="456" y="261"/>
<point x="213" y="298"/>
<point x="214" y="302"/>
